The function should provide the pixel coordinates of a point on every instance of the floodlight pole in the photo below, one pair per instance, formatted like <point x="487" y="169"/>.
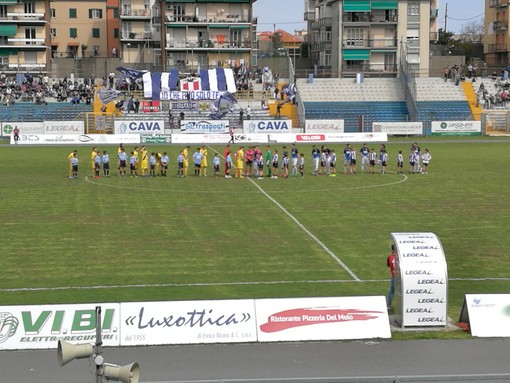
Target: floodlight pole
<point x="98" y="359"/>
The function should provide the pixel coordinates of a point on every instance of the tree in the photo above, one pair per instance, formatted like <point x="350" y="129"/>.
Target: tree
<point x="472" y="32"/>
<point x="445" y="37"/>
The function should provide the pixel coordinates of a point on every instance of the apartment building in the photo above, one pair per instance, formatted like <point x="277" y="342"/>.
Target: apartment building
<point x="24" y="36"/>
<point x="371" y="36"/>
<point x="496" y="36"/>
<point x="205" y="33"/>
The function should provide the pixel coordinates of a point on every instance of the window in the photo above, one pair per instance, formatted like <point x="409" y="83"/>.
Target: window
<point x="115" y="13"/>
<point x="116" y="33"/>
<point x="96" y="33"/>
<point x="413" y="9"/>
<point x="354" y="37"/>
<point x="95" y="13"/>
<point x="30" y="35"/>
<point x="53" y="32"/>
<point x="53" y="13"/>
<point x="72" y="13"/>
<point x="73" y="33"/>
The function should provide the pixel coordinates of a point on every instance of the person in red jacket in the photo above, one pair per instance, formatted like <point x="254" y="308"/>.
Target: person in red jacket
<point x="390" y="262"/>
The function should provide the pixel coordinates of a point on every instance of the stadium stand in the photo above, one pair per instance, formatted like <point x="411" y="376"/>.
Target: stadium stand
<point x="31" y="112"/>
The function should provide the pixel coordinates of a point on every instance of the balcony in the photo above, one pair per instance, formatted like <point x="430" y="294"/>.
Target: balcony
<point x="498" y="3"/>
<point x="135" y="14"/>
<point x="208" y="45"/>
<point x="309" y="16"/>
<point x="229" y="19"/>
<point x="322" y="23"/>
<point x="499" y="26"/>
<point x="368" y="68"/>
<point x="497" y="48"/>
<point x="322" y="46"/>
<point x="434" y="13"/>
<point x="19" y="42"/>
<point x="369" y="18"/>
<point x="370" y="43"/>
<point x="31" y="18"/>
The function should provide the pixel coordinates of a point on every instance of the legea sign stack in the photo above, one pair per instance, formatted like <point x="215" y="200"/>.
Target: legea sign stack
<point x="421" y="280"/>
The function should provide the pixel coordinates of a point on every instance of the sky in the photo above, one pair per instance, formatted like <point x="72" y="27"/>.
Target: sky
<point x="288" y="14"/>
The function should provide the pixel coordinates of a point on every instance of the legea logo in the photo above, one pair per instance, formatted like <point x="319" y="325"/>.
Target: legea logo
<point x="8" y="326"/>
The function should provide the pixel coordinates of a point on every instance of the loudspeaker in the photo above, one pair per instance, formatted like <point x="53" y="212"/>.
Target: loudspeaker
<point x="130" y="373"/>
<point x="69" y="351"/>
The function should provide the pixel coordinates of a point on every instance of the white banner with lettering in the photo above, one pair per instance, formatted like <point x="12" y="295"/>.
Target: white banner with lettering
<point x="139" y="126"/>
<point x="41" y="327"/>
<point x="301" y="319"/>
<point x="204" y="126"/>
<point x="398" y="128"/>
<point x="328" y="137"/>
<point x="456" y="128"/>
<point x="24" y="128"/>
<point x="76" y="139"/>
<point x="421" y="280"/>
<point x="267" y="126"/>
<point x="63" y="127"/>
<point x="185" y="322"/>
<point x="489" y="314"/>
<point x="324" y="126"/>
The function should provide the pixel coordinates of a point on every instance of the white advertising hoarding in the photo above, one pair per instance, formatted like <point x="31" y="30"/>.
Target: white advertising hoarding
<point x="324" y="126"/>
<point x="188" y="322"/>
<point x="489" y="314"/>
<point x="327" y="137"/>
<point x="76" y="139"/>
<point x="24" y="128"/>
<point x="204" y="126"/>
<point x="398" y="128"/>
<point x="139" y="126"/>
<point x="267" y="126"/>
<point x="302" y="319"/>
<point x="456" y="128"/>
<point x="41" y="327"/>
<point x="63" y="127"/>
<point x="422" y="279"/>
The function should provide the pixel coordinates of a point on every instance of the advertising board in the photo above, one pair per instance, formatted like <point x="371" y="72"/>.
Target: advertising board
<point x="139" y="126"/>
<point x="489" y="314"/>
<point x="204" y="126"/>
<point x="76" y="139"/>
<point x="421" y="280"/>
<point x="24" y="128"/>
<point x="324" y="126"/>
<point x="300" y="319"/>
<point x="398" y="128"/>
<point x="267" y="126"/>
<point x="456" y="128"/>
<point x="63" y="127"/>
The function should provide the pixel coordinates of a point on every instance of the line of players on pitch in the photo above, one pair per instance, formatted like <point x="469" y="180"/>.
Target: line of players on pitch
<point x="250" y="162"/>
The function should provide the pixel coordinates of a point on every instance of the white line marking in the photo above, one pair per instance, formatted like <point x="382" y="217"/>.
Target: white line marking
<point x="202" y="284"/>
<point x="308" y="232"/>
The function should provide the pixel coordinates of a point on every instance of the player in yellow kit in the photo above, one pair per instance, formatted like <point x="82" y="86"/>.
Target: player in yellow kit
<point x="203" y="163"/>
<point x="144" y="161"/>
<point x="93" y="155"/>
<point x="185" y="163"/>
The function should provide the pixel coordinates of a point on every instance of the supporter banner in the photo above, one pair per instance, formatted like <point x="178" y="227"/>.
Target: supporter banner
<point x="267" y="126"/>
<point x="456" y="128"/>
<point x="24" y="128"/>
<point x="78" y="139"/>
<point x="155" y="138"/>
<point x="398" y="128"/>
<point x="41" y="327"/>
<point x="488" y="314"/>
<point x="190" y="96"/>
<point x="150" y="106"/>
<point x="324" y="126"/>
<point x="322" y="318"/>
<point x="204" y="126"/>
<point x="184" y="105"/>
<point x="139" y="126"/>
<point x="421" y="280"/>
<point x="188" y="322"/>
<point x="328" y="137"/>
<point x="63" y="127"/>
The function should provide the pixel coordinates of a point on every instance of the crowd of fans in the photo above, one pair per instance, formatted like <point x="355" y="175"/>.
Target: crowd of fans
<point x="40" y="90"/>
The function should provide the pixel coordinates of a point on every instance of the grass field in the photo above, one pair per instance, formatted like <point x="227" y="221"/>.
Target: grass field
<point x="140" y="239"/>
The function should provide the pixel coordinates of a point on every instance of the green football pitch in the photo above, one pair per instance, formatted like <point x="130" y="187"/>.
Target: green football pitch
<point x="166" y="238"/>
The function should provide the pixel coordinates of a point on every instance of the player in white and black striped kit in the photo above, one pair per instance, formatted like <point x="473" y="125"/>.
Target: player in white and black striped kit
<point x="352" y="165"/>
<point x="372" y="158"/>
<point x="400" y="162"/>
